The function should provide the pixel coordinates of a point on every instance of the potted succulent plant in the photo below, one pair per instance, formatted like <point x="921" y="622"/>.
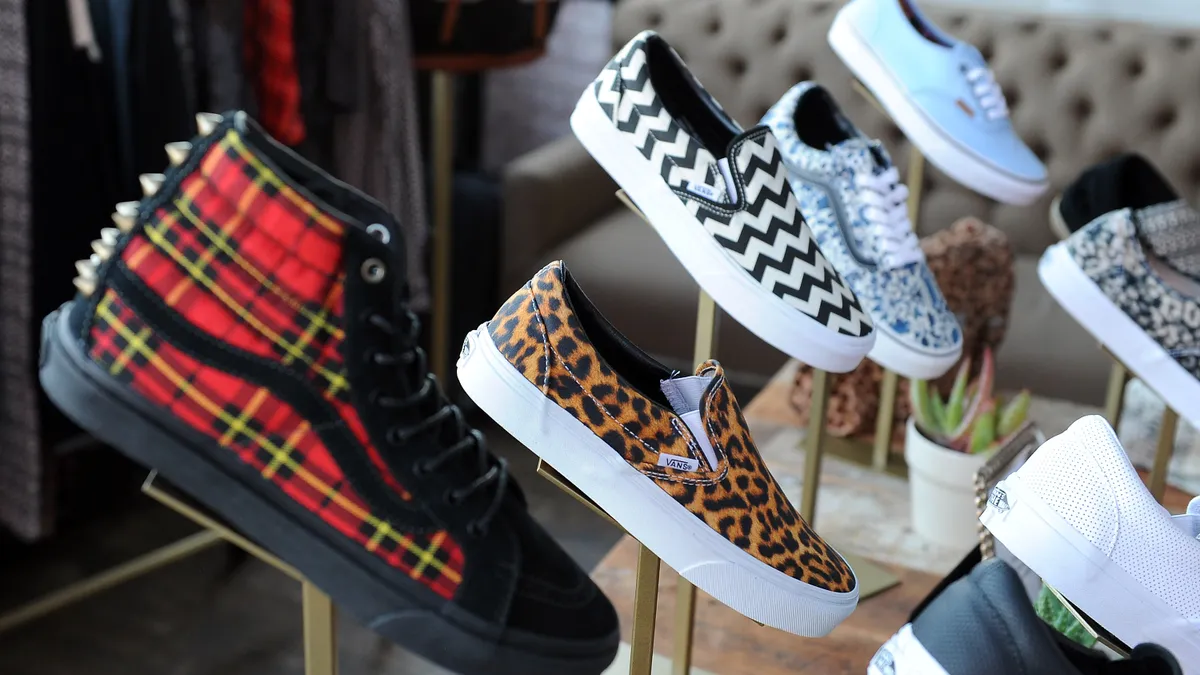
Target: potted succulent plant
<point x="947" y="441"/>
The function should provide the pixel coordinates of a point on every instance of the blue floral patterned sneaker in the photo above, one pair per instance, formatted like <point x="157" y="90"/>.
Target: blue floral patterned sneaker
<point x="853" y="201"/>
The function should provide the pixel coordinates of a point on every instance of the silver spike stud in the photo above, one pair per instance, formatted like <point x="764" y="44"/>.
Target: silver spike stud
<point x="207" y="122"/>
<point x="110" y="236"/>
<point x="126" y="215"/>
<point x="85" y="286"/>
<point x="103" y="250"/>
<point x="151" y="182"/>
<point x="178" y="151"/>
<point x="86" y="269"/>
<point x="96" y="260"/>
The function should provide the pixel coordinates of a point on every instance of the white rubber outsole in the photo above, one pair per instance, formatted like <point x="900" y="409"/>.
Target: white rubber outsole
<point x="674" y="534"/>
<point x="968" y="168"/>
<point x="731" y="287"/>
<point x="898" y="357"/>
<point x="1121" y="335"/>
<point x="903" y="654"/>
<point x="1085" y="575"/>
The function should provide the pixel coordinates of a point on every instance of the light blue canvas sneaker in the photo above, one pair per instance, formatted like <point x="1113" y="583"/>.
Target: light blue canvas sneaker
<point x="942" y="95"/>
<point x="853" y="201"/>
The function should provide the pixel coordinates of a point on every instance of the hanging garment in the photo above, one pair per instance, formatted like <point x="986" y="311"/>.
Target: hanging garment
<point x="468" y="36"/>
<point x="24" y="503"/>
<point x="376" y="144"/>
<point x="270" y="55"/>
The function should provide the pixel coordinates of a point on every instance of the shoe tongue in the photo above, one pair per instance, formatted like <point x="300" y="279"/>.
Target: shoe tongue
<point x="684" y="395"/>
<point x="968" y="56"/>
<point x="1171" y="231"/>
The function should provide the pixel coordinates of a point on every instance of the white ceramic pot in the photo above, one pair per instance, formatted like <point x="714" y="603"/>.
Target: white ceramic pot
<point x="942" y="487"/>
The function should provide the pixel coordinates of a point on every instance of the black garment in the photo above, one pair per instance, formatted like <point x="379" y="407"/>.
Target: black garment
<point x="1127" y="181"/>
<point x="984" y="624"/>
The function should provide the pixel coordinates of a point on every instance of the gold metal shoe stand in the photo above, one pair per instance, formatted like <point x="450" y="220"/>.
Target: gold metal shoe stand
<point x="1094" y="629"/>
<point x="319" y="613"/>
<point x="1164" y="449"/>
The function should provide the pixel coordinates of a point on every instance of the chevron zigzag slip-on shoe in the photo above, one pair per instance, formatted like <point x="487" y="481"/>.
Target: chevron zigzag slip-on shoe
<point x="668" y="456"/>
<point x="249" y="339"/>
<point x="1136" y="302"/>
<point x="719" y="198"/>
<point x="857" y="208"/>
<point x="1078" y="515"/>
<point x="940" y="91"/>
<point x="984" y="624"/>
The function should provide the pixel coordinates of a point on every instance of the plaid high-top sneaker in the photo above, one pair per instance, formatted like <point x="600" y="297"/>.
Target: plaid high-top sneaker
<point x="243" y="330"/>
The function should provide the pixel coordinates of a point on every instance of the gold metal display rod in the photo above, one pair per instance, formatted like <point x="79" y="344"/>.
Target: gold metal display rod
<point x="884" y="420"/>
<point x="318" y="612"/>
<point x="127" y="571"/>
<point x="645" y="611"/>
<point x="1114" y="399"/>
<point x="1096" y="630"/>
<point x="1163" y="451"/>
<point x="166" y="496"/>
<point x="442" y="123"/>
<point x="320" y="631"/>
<point x="814" y="444"/>
<point x="1164" y="448"/>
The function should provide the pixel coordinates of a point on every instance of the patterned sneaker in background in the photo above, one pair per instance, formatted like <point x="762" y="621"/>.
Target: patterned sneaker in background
<point x="854" y="203"/>
<point x="941" y="93"/>
<point x="1127" y="181"/>
<point x="1078" y="515"/>
<point x="668" y="456"/>
<point x="1136" y="303"/>
<point x="243" y="331"/>
<point x="983" y="624"/>
<point x="718" y="196"/>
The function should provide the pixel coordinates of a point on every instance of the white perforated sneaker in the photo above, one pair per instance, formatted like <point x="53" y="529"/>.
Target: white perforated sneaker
<point x="1078" y="514"/>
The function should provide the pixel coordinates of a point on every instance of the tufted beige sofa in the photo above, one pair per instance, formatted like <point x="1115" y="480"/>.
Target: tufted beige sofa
<point x="1079" y="92"/>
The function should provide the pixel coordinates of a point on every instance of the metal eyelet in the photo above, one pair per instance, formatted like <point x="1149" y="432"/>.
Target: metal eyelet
<point x="373" y="270"/>
<point x="380" y="232"/>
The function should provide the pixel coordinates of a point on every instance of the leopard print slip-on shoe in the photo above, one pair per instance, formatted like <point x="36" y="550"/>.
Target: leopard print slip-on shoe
<point x="668" y="456"/>
<point x="1127" y="277"/>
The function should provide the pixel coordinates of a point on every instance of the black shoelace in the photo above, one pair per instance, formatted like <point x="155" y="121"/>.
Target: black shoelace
<point x="445" y="423"/>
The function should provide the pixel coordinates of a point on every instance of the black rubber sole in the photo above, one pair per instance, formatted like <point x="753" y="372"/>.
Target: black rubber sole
<point x="142" y="431"/>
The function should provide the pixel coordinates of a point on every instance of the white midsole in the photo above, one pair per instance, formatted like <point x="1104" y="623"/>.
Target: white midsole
<point x="1062" y="556"/>
<point x="650" y="515"/>
<point x="904" y="654"/>
<point x="1108" y="323"/>
<point x="898" y="357"/>
<point x="966" y="167"/>
<point x="731" y="287"/>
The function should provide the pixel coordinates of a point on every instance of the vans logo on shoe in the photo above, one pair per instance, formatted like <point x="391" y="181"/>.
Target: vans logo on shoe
<point x="678" y="463"/>
<point x="999" y="499"/>
<point x="883" y="663"/>
<point x="703" y="190"/>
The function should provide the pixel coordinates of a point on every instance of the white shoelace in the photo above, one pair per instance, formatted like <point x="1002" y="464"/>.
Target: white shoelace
<point x="886" y="211"/>
<point x="987" y="91"/>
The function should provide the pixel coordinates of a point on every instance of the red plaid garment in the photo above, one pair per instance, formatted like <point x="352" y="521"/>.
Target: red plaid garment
<point x="269" y="50"/>
<point x="242" y="256"/>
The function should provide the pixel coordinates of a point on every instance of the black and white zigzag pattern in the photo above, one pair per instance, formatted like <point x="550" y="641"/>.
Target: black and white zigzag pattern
<point x="765" y="232"/>
<point x="629" y="100"/>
